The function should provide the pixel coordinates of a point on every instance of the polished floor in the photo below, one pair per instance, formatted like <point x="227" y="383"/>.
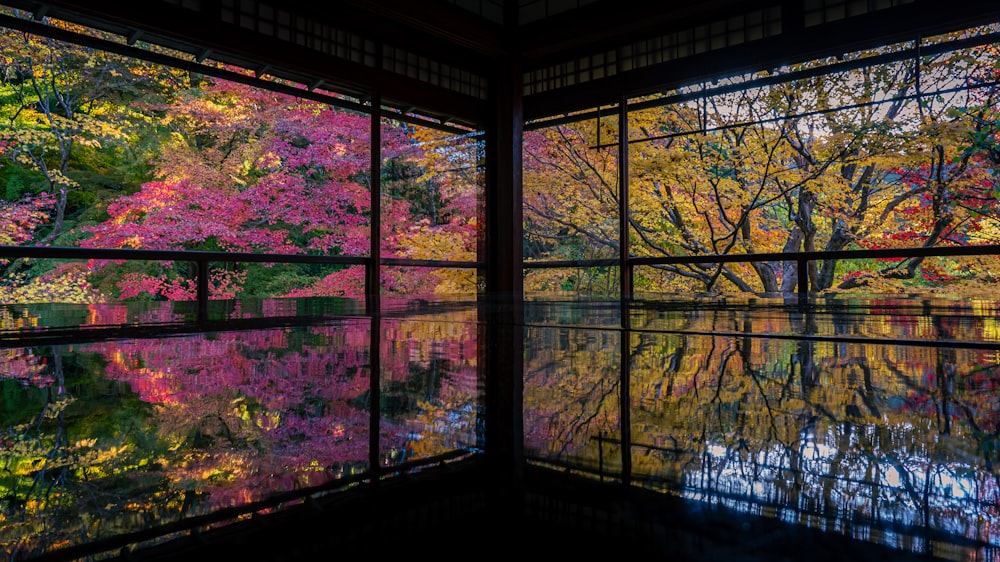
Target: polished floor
<point x="721" y="429"/>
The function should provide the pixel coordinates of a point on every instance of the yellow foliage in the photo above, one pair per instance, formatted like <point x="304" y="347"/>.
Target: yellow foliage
<point x="69" y="286"/>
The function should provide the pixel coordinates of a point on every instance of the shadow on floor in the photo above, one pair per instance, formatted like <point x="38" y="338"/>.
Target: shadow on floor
<point x="463" y="510"/>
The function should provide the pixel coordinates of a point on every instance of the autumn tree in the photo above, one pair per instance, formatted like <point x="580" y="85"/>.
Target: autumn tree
<point x="571" y="199"/>
<point x="63" y="103"/>
<point x="948" y="174"/>
<point x="837" y="160"/>
<point x="143" y="156"/>
<point x="20" y="219"/>
<point x="431" y="210"/>
<point x="247" y="170"/>
<point x="77" y="124"/>
<point x="251" y="170"/>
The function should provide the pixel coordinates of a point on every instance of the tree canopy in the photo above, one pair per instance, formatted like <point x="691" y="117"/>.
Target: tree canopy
<point x="888" y="155"/>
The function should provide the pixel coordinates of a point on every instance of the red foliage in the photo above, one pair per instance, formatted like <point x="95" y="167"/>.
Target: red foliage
<point x="258" y="171"/>
<point x="19" y="220"/>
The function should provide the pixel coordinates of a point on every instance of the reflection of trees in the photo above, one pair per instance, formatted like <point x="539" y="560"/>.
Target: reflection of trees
<point x="430" y="385"/>
<point x="568" y="416"/>
<point x="838" y="465"/>
<point x="53" y="478"/>
<point x="33" y="467"/>
<point x="255" y="409"/>
<point x="124" y="435"/>
<point x="830" y="431"/>
<point x="78" y="460"/>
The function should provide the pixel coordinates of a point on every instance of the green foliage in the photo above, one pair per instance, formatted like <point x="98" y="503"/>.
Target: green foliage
<point x="18" y="402"/>
<point x="278" y="280"/>
<point x="403" y="180"/>
<point x="19" y="182"/>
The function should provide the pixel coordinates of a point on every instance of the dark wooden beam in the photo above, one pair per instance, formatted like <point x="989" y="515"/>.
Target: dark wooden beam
<point x="608" y="23"/>
<point x="205" y="34"/>
<point x="460" y="29"/>
<point x="795" y="44"/>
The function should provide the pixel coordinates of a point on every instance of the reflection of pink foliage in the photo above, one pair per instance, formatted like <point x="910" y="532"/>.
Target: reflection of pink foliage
<point x="269" y="308"/>
<point x="23" y="365"/>
<point x="280" y="417"/>
<point x="98" y="314"/>
<point x="248" y="414"/>
<point x="278" y="307"/>
<point x="119" y="313"/>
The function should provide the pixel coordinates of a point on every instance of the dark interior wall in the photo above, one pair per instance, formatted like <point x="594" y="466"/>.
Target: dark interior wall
<point x="435" y="59"/>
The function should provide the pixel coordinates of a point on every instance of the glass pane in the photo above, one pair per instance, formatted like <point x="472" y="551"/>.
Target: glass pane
<point x="120" y="436"/>
<point x="432" y="190"/>
<point x="571" y="399"/>
<point x="431" y="388"/>
<point x="571" y="191"/>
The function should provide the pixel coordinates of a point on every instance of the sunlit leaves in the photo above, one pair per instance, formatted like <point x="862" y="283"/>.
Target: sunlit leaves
<point x="859" y="158"/>
<point x="251" y="170"/>
<point x="68" y="284"/>
<point x="63" y="101"/>
<point x="19" y="220"/>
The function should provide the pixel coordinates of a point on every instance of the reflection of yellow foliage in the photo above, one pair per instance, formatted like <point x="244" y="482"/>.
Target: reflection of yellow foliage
<point x="10" y="322"/>
<point x="991" y="328"/>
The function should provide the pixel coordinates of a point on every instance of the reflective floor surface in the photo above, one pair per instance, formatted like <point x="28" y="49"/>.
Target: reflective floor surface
<point x="744" y="427"/>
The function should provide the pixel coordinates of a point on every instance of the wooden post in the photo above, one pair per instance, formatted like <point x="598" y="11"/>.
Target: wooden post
<point x="202" y="294"/>
<point x="803" y="272"/>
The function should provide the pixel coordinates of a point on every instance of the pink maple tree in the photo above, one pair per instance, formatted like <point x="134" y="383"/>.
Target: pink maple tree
<point x="251" y="171"/>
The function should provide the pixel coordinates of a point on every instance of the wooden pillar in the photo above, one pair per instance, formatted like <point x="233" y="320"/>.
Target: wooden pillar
<point x="625" y="290"/>
<point x="503" y="332"/>
<point x="373" y="271"/>
<point x="373" y="291"/>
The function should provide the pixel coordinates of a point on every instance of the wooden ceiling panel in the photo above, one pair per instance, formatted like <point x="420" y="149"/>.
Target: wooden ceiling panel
<point x="441" y="59"/>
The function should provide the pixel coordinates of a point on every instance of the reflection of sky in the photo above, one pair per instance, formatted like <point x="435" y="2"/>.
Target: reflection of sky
<point x="886" y="320"/>
<point x="910" y="489"/>
<point x="885" y="439"/>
